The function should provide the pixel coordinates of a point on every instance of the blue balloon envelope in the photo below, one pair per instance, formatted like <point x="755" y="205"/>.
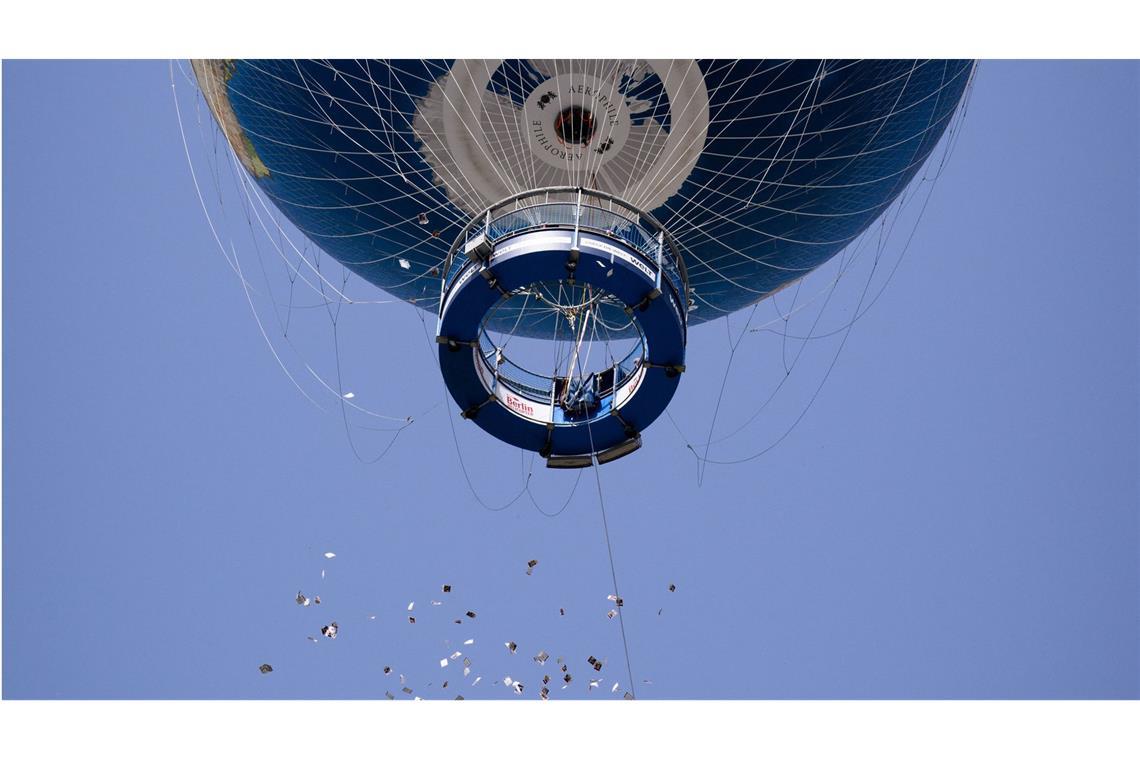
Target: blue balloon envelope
<point x="723" y="180"/>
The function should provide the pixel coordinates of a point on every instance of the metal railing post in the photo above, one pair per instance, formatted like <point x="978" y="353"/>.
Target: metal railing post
<point x="660" y="256"/>
<point x="577" y="220"/>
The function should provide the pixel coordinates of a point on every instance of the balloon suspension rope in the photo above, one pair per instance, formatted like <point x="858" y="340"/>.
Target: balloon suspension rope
<point x="613" y="572"/>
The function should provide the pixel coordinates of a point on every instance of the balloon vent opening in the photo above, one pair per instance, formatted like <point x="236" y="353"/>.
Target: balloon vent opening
<point x="574" y="125"/>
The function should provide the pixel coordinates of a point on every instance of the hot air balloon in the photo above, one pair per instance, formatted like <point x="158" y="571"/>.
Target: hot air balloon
<point x="567" y="221"/>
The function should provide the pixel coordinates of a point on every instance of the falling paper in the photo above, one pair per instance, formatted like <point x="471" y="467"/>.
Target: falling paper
<point x="615" y="688"/>
<point x="330" y="630"/>
<point x="266" y="668"/>
<point x="470" y="614"/>
<point x="317" y="599"/>
<point x="672" y="587"/>
<point x="302" y="599"/>
<point x="511" y="646"/>
<point x="541" y="657"/>
<point x="330" y="555"/>
<point x="469" y="642"/>
<point x="387" y="670"/>
<point x="405" y="264"/>
<point x="411" y="620"/>
<point x="446" y="588"/>
<point x="411" y="605"/>
<point x="456" y="655"/>
<point x="443" y="663"/>
<point x="350" y="394"/>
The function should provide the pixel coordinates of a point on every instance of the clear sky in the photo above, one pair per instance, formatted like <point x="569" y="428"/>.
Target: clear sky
<point x="954" y="517"/>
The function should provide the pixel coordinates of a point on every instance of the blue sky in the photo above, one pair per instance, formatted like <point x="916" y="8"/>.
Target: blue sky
<point x="954" y="517"/>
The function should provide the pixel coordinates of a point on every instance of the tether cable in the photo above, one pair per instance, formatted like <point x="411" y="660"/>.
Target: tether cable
<point x="613" y="572"/>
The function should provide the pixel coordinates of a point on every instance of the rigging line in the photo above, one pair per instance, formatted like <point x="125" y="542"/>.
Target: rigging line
<point x="530" y="152"/>
<point x="641" y="160"/>
<point x="904" y="201"/>
<point x="442" y="209"/>
<point x="655" y="177"/>
<point x="814" y="395"/>
<point x="648" y="164"/>
<point x="333" y="127"/>
<point x="265" y="336"/>
<point x="890" y="276"/>
<point x="830" y="292"/>
<point x="593" y="166"/>
<point x="344" y="402"/>
<point x="663" y="164"/>
<point x="673" y="157"/>
<point x="844" y="268"/>
<point x="327" y="303"/>
<point x="232" y="257"/>
<point x="724" y="383"/>
<point x="251" y="193"/>
<point x="247" y="207"/>
<point x="565" y="504"/>
<point x="455" y="436"/>
<point x="894" y="111"/>
<point x="513" y="165"/>
<point x="797" y="113"/>
<point x="506" y="181"/>
<point x="284" y="329"/>
<point x="194" y="176"/>
<point x="725" y="214"/>
<point x="255" y="193"/>
<point x="613" y="571"/>
<point x="859" y="310"/>
<point x="784" y="340"/>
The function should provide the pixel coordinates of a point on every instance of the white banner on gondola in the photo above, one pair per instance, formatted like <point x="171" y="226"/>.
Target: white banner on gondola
<point x="522" y="406"/>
